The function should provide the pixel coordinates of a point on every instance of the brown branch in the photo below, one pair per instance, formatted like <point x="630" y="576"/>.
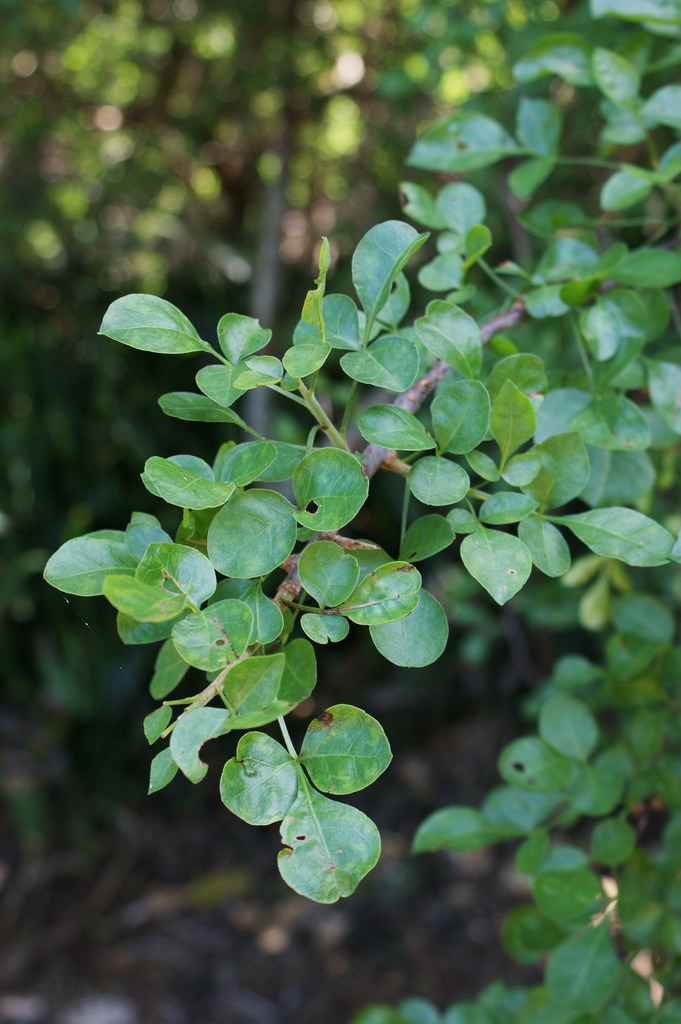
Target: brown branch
<point x="374" y="456"/>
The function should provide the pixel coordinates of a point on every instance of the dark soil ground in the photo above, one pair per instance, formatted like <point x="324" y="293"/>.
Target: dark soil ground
<point x="171" y="911"/>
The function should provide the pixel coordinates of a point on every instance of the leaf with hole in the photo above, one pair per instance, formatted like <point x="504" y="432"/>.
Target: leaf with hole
<point x="531" y="763"/>
<point x="192" y="730"/>
<point x="329" y="847"/>
<point x="329" y="488"/>
<point x="213" y="638"/>
<point x="462" y="142"/>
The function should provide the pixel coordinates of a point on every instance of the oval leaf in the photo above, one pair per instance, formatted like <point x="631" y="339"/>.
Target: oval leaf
<point x="500" y="562"/>
<point x="344" y="750"/>
<point x="252" y="535"/>
<point x="260" y="783"/>
<point x="149" y="323"/>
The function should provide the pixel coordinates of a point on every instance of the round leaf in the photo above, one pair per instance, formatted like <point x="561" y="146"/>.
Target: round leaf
<point x="425" y="537"/>
<point x="260" y="783"/>
<point x="213" y="638"/>
<point x="344" y="750"/>
<point x="240" y="336"/>
<point x="330" y="489"/>
<point x="178" y="569"/>
<point x="568" y="726"/>
<point x="81" y="565"/>
<point x="322" y="628"/>
<point x="252" y="535"/>
<point x="451" y="335"/>
<point x="460" y="414"/>
<point x="386" y="594"/>
<point x="437" y="481"/>
<point x="327" y="573"/>
<point x="417" y="639"/>
<point x="530" y="763"/>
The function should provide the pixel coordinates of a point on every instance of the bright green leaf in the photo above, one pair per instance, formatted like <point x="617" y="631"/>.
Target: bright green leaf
<point x="344" y="750"/>
<point x="388" y="593"/>
<point x="260" y="783"/>
<point x="149" y="323"/>
<point x="498" y="561"/>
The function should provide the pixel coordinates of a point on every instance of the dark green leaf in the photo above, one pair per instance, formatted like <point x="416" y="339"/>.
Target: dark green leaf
<point x="388" y="593"/>
<point x="512" y="420"/>
<point x="185" y="405"/>
<point x="498" y="561"/>
<point x="528" y="935"/>
<point x="253" y="534"/>
<point x="142" y="601"/>
<point x="268" y="621"/>
<point x="524" y="370"/>
<point x="341" y="322"/>
<point x="169" y="670"/>
<point x="568" y="726"/>
<point x="568" y="895"/>
<point x="301" y="360"/>
<point x="615" y="423"/>
<point x="217" y="383"/>
<point x="392" y="427"/>
<point x="329" y="488"/>
<point x="344" y="750"/>
<point x="416" y="640"/>
<point x="648" y="268"/>
<point x="178" y="569"/>
<point x="506" y="507"/>
<point x="260" y="783"/>
<point x="155" y="723"/>
<point x="81" y="565"/>
<point x="612" y="841"/>
<point x="584" y="971"/>
<point x="163" y="770"/>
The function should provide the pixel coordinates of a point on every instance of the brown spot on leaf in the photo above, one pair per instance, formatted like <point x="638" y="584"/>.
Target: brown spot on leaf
<point x="325" y="718"/>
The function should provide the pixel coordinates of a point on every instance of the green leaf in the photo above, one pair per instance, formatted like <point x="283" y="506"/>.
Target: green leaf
<point x="312" y="307"/>
<point x="218" y="383"/>
<point x="301" y="360"/>
<point x="260" y="370"/>
<point x="437" y="481"/>
<point x="517" y="811"/>
<point x="251" y="691"/>
<point x="462" y="142"/>
<point x="152" y="324"/>
<point x="142" y="601"/>
<point x="162" y="771"/>
<point x="544" y="302"/>
<point x="392" y="427"/>
<point x="247" y="462"/>
<point x="180" y="486"/>
<point x="142" y="530"/>
<point x="418" y="203"/>
<point x="324" y="628"/>
<point x="169" y="670"/>
<point x="285" y="461"/>
<point x="462" y="520"/>
<point x="178" y="569"/>
<point x="621" y="533"/>
<point x="416" y="640"/>
<point x="454" y="828"/>
<point x="584" y="971"/>
<point x="344" y="750"/>
<point x="330" y="847"/>
<point x="525" y="179"/>
<point x="240" y="336"/>
<point x="504" y="507"/>
<point x="460" y="415"/>
<point x="268" y="622"/>
<point x="329" y="488"/>
<point x="568" y="726"/>
<point x="388" y="593"/>
<point x="546" y="544"/>
<point x="648" y="268"/>
<point x="623" y="189"/>
<point x="512" y="420"/>
<point x="425" y="537"/>
<point x="378" y="259"/>
<point x="260" y="783"/>
<point x="564" y="470"/>
<point x="615" y="423"/>
<point x="498" y="561"/>
<point x="483" y="465"/>
<point x="615" y="320"/>
<point x="252" y="535"/>
<point x="185" y="405"/>
<point x="526" y="371"/>
<point x="341" y="322"/>
<point x="300" y="671"/>
<point x="191" y="731"/>
<point x="561" y="53"/>
<point x="615" y="76"/>
<point x="213" y="638"/>
<point x="461" y="206"/>
<point x="530" y="763"/>
<point x="527" y="935"/>
<point x="613" y="840"/>
<point x="644" y="616"/>
<point x="391" y="362"/>
<point x="328" y="573"/>
<point x="81" y="565"/>
<point x="478" y="241"/>
<point x="522" y="469"/>
<point x="451" y="335"/>
<point x="443" y="273"/>
<point x="568" y="895"/>
<point x="155" y="723"/>
<point x="664" y="380"/>
<point x="538" y="127"/>
<point x="664" y="107"/>
<point x="653" y="11"/>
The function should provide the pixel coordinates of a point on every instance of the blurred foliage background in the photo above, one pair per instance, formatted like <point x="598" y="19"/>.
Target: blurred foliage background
<point x="195" y="149"/>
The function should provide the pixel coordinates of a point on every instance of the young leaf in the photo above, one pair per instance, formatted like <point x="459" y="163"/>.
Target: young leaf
<point x="155" y="723"/>
<point x="268" y="620"/>
<point x="253" y="534"/>
<point x="329" y="847"/>
<point x="506" y="507"/>
<point x="498" y="561"/>
<point x="416" y="640"/>
<point x="328" y="573"/>
<point x="247" y="462"/>
<point x="621" y="533"/>
<point x="259" y="370"/>
<point x="142" y="601"/>
<point x="330" y="489"/>
<point x="512" y="420"/>
<point x="526" y="371"/>
<point x="312" y="307"/>
<point x="240" y="336"/>
<point x="301" y="360"/>
<point x="341" y="322"/>
<point x="185" y="405"/>
<point x="218" y="383"/>
<point x="81" y="565"/>
<point x="260" y="783"/>
<point x="377" y="261"/>
<point x="392" y="427"/>
<point x="344" y="750"/>
<point x="213" y="638"/>
<point x="152" y="324"/>
<point x="461" y="206"/>
<point x="388" y="593"/>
